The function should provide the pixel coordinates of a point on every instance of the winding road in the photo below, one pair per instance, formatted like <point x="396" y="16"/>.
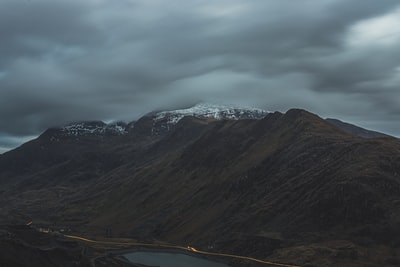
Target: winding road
<point x="191" y="249"/>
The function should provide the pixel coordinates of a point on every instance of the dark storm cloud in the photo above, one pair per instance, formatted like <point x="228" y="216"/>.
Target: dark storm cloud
<point x="97" y="59"/>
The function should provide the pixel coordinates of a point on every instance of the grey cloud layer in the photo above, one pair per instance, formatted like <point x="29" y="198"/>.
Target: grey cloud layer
<point x="73" y="60"/>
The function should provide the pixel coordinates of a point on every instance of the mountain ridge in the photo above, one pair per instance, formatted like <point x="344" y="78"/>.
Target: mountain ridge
<point x="353" y="129"/>
<point x="157" y="122"/>
<point x="286" y="180"/>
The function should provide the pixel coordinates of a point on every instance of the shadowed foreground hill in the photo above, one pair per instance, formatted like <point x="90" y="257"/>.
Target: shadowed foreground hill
<point x="22" y="246"/>
<point x="290" y="187"/>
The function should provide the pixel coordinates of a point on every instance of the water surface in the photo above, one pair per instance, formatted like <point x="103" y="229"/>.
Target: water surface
<point x="163" y="259"/>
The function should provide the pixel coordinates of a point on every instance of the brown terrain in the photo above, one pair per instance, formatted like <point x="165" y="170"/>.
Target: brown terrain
<point x="290" y="188"/>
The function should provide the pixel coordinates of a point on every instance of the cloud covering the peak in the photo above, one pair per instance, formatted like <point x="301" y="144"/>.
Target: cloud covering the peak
<point x="99" y="59"/>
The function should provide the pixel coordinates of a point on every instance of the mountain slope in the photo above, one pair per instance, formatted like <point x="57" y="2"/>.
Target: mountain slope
<point x="353" y="129"/>
<point x="237" y="162"/>
<point x="249" y="186"/>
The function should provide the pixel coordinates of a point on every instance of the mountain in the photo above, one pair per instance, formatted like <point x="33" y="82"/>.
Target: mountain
<point x="156" y="122"/>
<point x="285" y="186"/>
<point x="163" y="121"/>
<point x="205" y="110"/>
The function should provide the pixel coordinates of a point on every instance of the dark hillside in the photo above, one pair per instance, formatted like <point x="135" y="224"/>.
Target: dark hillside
<point x="258" y="187"/>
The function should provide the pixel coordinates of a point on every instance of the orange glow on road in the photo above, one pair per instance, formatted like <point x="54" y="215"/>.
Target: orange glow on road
<point x="192" y="249"/>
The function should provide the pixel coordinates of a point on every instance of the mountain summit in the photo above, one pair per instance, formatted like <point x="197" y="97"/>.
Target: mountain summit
<point x="211" y="111"/>
<point x="156" y="122"/>
<point x="164" y="121"/>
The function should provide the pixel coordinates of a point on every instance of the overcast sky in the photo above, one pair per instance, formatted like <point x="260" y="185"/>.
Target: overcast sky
<point x="67" y="60"/>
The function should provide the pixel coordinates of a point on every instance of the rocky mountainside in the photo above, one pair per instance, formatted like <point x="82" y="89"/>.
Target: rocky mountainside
<point x="290" y="186"/>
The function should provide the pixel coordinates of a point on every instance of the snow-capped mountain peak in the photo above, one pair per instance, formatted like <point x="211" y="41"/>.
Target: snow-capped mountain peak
<point x="156" y="123"/>
<point x="206" y="110"/>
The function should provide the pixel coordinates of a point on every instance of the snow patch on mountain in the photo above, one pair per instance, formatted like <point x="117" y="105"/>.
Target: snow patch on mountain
<point x="205" y="110"/>
<point x="96" y="128"/>
<point x="160" y="122"/>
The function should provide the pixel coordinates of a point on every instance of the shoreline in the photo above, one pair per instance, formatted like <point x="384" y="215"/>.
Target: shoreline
<point x="122" y="252"/>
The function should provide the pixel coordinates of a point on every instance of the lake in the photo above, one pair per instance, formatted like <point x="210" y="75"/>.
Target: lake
<point x="163" y="259"/>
